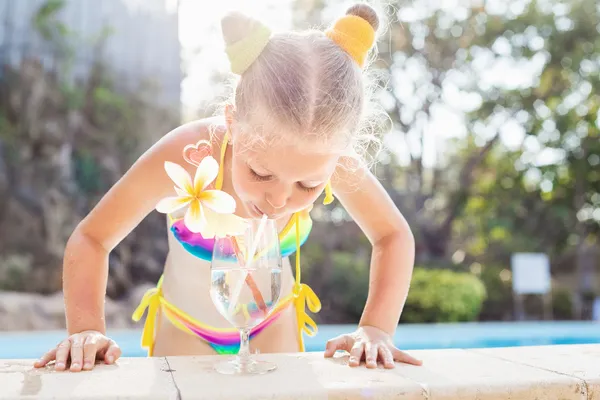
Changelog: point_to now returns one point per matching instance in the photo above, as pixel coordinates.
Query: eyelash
(308, 189)
(258, 177)
(262, 178)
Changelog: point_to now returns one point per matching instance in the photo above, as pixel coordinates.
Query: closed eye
(307, 188)
(258, 176)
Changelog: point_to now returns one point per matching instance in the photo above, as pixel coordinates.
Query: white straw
(237, 291)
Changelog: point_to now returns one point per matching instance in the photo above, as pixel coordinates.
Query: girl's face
(279, 179)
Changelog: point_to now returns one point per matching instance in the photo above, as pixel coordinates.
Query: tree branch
(465, 182)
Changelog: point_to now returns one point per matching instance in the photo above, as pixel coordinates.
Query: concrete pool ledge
(540, 372)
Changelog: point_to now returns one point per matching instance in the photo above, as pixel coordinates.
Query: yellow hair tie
(244, 52)
(353, 34)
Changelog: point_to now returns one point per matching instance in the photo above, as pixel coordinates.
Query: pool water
(33, 344)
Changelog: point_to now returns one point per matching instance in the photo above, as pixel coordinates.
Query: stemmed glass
(246, 286)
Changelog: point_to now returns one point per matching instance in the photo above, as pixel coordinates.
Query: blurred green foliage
(523, 174)
(65, 139)
(442, 295)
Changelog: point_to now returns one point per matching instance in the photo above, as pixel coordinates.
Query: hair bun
(355, 32)
(245, 39)
(365, 12)
(236, 26)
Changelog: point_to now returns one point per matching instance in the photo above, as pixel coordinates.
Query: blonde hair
(305, 86)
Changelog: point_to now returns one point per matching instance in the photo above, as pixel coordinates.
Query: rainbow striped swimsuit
(227, 340)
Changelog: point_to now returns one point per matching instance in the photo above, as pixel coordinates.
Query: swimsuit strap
(304, 296)
(296, 220)
(224, 145)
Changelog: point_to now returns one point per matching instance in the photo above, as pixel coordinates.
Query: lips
(259, 213)
(255, 211)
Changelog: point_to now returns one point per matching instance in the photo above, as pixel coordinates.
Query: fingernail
(60, 365)
(74, 365)
(110, 359)
(87, 365)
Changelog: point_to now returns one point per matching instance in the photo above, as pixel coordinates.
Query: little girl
(295, 128)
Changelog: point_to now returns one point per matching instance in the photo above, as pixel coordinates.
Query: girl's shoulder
(193, 140)
(211, 130)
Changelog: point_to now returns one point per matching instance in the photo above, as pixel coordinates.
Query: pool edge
(549, 372)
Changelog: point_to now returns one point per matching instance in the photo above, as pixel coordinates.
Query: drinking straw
(237, 291)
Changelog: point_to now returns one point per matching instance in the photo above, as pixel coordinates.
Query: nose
(277, 198)
(276, 202)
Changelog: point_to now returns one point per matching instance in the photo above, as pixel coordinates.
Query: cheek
(244, 187)
(303, 199)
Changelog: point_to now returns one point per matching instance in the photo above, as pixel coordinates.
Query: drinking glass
(246, 288)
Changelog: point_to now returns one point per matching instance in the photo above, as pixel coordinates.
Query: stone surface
(298, 376)
(581, 361)
(549, 372)
(467, 374)
(132, 378)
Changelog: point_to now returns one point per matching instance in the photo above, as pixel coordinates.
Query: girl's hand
(371, 344)
(81, 350)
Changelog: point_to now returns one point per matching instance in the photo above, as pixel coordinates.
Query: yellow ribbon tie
(150, 301)
(304, 296)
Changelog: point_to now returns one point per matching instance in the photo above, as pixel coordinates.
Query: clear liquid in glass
(246, 287)
(257, 290)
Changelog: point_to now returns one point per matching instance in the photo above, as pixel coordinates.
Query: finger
(45, 359)
(386, 357)
(356, 354)
(90, 347)
(332, 346)
(405, 358)
(113, 353)
(62, 354)
(76, 353)
(371, 355)
(338, 343)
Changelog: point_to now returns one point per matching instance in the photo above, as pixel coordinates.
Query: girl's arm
(119, 211)
(391, 268)
(85, 269)
(393, 255)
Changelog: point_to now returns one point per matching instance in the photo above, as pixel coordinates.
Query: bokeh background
(494, 150)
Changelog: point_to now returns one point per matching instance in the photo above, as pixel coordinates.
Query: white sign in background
(531, 273)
